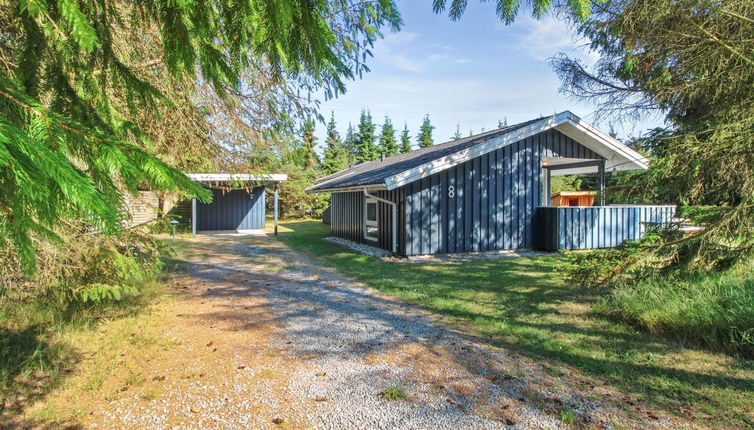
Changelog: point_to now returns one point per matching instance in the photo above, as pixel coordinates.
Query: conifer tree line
(367, 141)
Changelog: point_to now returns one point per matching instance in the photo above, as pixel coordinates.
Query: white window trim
(367, 223)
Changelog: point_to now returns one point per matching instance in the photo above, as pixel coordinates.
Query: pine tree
(366, 150)
(457, 135)
(308, 142)
(425, 133)
(405, 140)
(388, 144)
(349, 144)
(335, 157)
(502, 123)
(73, 92)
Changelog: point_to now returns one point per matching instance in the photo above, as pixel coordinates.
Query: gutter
(394, 207)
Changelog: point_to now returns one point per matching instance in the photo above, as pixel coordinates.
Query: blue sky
(473, 72)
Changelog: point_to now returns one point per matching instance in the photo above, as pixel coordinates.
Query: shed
(573, 198)
(238, 201)
(483, 192)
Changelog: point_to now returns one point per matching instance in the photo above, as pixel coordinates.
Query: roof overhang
(355, 188)
(228, 177)
(617, 155)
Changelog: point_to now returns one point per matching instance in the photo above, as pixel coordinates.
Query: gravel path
(304, 347)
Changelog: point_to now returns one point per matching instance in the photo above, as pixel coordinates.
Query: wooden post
(548, 187)
(275, 205)
(193, 217)
(601, 180)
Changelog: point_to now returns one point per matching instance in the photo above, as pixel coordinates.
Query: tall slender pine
(405, 140)
(425, 133)
(388, 143)
(366, 150)
(309, 156)
(457, 135)
(350, 144)
(335, 156)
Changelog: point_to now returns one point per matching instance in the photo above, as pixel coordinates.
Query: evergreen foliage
(350, 144)
(308, 142)
(366, 150)
(405, 140)
(507, 10)
(457, 135)
(693, 60)
(70, 92)
(425, 133)
(335, 157)
(388, 143)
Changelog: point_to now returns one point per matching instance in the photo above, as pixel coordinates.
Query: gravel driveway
(280, 342)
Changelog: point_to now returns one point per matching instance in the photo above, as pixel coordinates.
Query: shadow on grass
(30, 367)
(33, 358)
(521, 305)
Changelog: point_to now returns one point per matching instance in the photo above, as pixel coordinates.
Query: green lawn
(522, 304)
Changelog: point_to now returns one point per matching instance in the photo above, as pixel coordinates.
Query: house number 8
(451, 191)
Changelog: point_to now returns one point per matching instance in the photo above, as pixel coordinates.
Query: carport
(238, 201)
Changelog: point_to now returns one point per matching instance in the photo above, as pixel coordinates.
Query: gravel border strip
(388, 256)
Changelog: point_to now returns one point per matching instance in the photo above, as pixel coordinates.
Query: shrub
(602, 266)
(86, 267)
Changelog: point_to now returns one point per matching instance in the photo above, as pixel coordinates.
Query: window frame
(368, 223)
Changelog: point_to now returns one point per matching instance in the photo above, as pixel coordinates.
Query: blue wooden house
(487, 192)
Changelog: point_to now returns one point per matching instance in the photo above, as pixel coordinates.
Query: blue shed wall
(232, 210)
(494, 199)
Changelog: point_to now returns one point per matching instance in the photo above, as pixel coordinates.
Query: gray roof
(375, 172)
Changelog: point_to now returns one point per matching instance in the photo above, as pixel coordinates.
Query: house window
(371, 225)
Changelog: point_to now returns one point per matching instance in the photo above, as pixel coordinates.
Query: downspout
(394, 206)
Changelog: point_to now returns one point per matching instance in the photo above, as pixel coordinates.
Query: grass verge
(522, 304)
(41, 339)
(715, 310)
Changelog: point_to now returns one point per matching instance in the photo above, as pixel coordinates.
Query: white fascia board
(355, 188)
(627, 159)
(226, 177)
(616, 146)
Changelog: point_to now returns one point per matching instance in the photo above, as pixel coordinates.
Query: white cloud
(398, 50)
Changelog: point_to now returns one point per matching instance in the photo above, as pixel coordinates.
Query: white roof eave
(227, 177)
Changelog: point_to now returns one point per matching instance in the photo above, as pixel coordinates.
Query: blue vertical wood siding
(232, 210)
(347, 218)
(494, 200)
(596, 227)
(492, 205)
